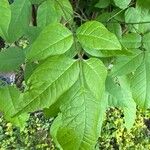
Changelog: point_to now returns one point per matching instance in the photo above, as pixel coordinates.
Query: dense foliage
(80, 58)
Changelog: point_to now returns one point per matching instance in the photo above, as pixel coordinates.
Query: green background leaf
(20, 19)
(47, 13)
(122, 3)
(9, 97)
(141, 83)
(5, 16)
(11, 59)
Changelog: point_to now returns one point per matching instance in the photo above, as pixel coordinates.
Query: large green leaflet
(53, 40)
(8, 104)
(11, 59)
(5, 12)
(48, 82)
(94, 36)
(82, 112)
(126, 65)
(121, 96)
(20, 18)
(141, 83)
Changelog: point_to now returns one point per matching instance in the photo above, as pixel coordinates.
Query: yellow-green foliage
(34, 136)
(115, 136)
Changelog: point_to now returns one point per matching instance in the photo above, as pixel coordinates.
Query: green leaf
(102, 3)
(130, 14)
(82, 112)
(121, 96)
(130, 105)
(29, 68)
(122, 3)
(5, 16)
(131, 40)
(48, 82)
(53, 40)
(32, 33)
(125, 65)
(144, 14)
(11, 59)
(146, 41)
(141, 83)
(54, 128)
(9, 97)
(64, 9)
(94, 37)
(73, 51)
(115, 28)
(47, 13)
(20, 19)
(144, 4)
(112, 24)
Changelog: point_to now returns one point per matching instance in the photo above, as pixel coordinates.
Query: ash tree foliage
(81, 58)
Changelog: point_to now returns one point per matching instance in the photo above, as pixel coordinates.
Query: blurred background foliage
(113, 137)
